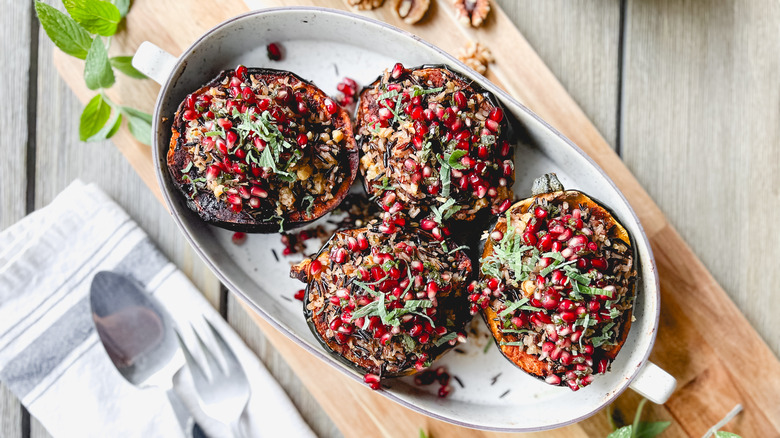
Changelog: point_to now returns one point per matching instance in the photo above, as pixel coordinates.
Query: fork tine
(212, 361)
(195, 370)
(227, 352)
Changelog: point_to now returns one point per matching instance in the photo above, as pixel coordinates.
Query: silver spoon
(138, 335)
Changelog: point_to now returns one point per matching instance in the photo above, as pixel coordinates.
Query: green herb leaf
(123, 6)
(365, 287)
(124, 64)
(513, 344)
(140, 124)
(63, 31)
(650, 429)
(97, 68)
(96, 16)
(453, 159)
(109, 129)
(623, 432)
(720, 434)
(409, 342)
(417, 304)
(366, 310)
(446, 338)
(187, 168)
(512, 307)
(423, 434)
(94, 117)
(310, 200)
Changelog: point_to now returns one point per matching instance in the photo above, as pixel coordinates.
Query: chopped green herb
(187, 169)
(446, 338)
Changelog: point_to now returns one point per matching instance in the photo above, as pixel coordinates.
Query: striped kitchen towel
(50, 354)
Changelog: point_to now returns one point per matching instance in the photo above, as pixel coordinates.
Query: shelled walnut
(411, 11)
(476, 56)
(364, 5)
(472, 12)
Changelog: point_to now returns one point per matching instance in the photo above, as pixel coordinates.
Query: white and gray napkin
(50, 354)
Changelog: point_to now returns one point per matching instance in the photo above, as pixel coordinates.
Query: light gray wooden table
(687, 92)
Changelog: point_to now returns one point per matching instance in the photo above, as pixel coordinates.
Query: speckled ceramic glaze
(324, 46)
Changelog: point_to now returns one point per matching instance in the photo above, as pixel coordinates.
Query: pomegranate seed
(340, 256)
(603, 366)
(190, 115)
(553, 379)
(302, 140)
(599, 263)
(460, 99)
(240, 71)
(386, 337)
(545, 242)
(362, 242)
(566, 358)
(231, 137)
(212, 172)
(424, 338)
(258, 192)
(330, 106)
(557, 246)
(565, 235)
(549, 302)
(427, 224)
(506, 149)
(398, 70)
(432, 288)
(248, 94)
(239, 238)
(492, 125)
(444, 391)
(496, 114)
(299, 295)
(594, 306)
(505, 205)
(529, 239)
(274, 52)
(371, 378)
(234, 199)
(569, 317)
(315, 267)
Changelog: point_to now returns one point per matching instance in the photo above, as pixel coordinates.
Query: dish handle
(154, 62)
(654, 384)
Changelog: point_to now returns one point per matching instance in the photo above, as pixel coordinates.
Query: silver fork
(222, 392)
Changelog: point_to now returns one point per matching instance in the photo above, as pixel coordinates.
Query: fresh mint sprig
(85, 33)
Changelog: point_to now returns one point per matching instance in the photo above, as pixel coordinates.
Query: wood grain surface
(698, 116)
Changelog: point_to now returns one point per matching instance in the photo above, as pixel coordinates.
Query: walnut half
(411, 11)
(472, 12)
(476, 56)
(364, 5)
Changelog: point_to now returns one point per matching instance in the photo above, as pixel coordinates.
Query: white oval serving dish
(324, 46)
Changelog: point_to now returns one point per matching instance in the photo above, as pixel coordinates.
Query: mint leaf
(94, 117)
(123, 6)
(123, 64)
(446, 338)
(132, 112)
(454, 159)
(623, 432)
(140, 124)
(97, 68)
(63, 31)
(109, 129)
(96, 16)
(651, 429)
(720, 434)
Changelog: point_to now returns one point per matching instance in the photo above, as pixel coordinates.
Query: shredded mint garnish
(446, 338)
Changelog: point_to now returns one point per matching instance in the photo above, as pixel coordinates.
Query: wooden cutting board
(703, 340)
